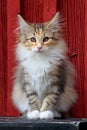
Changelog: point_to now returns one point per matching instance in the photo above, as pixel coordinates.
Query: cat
(44, 85)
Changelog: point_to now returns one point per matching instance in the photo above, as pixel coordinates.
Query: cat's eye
(33, 39)
(45, 39)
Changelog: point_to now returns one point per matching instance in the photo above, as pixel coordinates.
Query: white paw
(33, 115)
(46, 115)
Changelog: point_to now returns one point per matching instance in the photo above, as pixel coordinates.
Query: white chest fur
(38, 73)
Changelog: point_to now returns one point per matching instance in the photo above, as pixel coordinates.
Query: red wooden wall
(75, 12)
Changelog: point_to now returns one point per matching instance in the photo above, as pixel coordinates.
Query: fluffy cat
(45, 78)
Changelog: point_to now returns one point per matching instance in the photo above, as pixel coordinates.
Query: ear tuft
(53, 23)
(23, 25)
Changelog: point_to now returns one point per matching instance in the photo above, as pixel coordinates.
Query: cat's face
(39, 37)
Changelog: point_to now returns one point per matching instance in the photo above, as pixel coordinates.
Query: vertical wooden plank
(76, 45)
(49, 9)
(13, 8)
(3, 58)
(32, 10)
(85, 60)
(62, 8)
(38, 10)
(74, 14)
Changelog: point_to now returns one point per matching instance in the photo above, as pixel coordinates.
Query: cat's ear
(23, 25)
(53, 23)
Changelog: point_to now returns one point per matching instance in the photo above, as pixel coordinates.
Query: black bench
(20, 123)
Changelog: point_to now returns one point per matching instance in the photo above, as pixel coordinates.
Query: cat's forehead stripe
(39, 29)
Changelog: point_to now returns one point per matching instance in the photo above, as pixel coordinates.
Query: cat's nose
(39, 48)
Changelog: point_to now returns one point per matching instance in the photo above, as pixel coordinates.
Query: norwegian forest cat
(45, 78)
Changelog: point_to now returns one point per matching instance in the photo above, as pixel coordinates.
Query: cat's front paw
(33, 115)
(46, 114)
